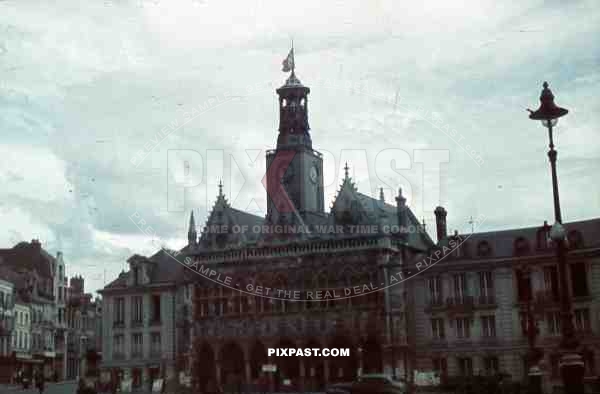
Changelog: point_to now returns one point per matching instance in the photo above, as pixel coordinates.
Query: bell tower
(293, 114)
(301, 173)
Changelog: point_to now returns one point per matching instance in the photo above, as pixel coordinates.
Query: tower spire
(192, 234)
(346, 171)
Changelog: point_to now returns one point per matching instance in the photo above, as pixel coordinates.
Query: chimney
(35, 243)
(440, 223)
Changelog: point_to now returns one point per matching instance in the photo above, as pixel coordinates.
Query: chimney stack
(440, 223)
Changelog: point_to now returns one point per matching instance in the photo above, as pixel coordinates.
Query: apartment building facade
(472, 308)
(143, 324)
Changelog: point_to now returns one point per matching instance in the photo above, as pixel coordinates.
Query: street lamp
(532, 331)
(571, 364)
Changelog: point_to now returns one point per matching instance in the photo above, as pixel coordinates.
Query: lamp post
(571, 364)
(532, 331)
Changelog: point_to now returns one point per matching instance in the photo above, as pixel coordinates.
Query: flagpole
(293, 60)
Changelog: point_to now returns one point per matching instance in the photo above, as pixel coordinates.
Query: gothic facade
(301, 277)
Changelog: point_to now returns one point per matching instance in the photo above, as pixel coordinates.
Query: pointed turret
(192, 234)
(401, 212)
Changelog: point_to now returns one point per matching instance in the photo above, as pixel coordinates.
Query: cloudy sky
(107, 109)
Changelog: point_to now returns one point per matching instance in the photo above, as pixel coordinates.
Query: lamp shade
(547, 110)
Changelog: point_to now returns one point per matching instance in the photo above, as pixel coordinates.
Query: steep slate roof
(369, 211)
(121, 281)
(167, 269)
(374, 211)
(502, 243)
(222, 214)
(28, 256)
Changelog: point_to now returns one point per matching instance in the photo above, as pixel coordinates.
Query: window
(137, 303)
(460, 286)
(555, 365)
(465, 366)
(156, 308)
(582, 319)
(523, 286)
(440, 365)
(437, 328)
(486, 284)
(155, 347)
(118, 346)
(119, 316)
(579, 282)
(484, 249)
(463, 327)
(136, 276)
(553, 323)
(435, 290)
(521, 246)
(589, 363)
(491, 365)
(551, 283)
(488, 326)
(575, 239)
(136, 345)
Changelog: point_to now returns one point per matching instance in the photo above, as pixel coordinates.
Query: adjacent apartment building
(471, 308)
(145, 315)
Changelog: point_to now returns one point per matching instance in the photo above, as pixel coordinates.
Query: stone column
(271, 375)
(218, 371)
(248, 371)
(302, 374)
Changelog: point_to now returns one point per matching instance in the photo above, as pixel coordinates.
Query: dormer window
(575, 239)
(543, 237)
(136, 276)
(521, 246)
(484, 249)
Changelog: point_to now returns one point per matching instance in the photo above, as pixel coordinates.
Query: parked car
(370, 384)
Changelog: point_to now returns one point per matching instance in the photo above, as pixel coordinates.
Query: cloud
(84, 88)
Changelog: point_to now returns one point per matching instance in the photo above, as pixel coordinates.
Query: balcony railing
(119, 356)
(547, 297)
(137, 354)
(460, 304)
(435, 302)
(137, 323)
(486, 301)
(155, 353)
(119, 324)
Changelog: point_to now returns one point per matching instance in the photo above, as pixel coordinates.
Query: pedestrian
(39, 381)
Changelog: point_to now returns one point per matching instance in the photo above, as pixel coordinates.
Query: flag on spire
(288, 62)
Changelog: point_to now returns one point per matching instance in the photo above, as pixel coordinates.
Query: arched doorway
(372, 357)
(232, 367)
(342, 369)
(314, 370)
(203, 374)
(288, 368)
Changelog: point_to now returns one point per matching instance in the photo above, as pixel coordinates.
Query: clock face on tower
(314, 174)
